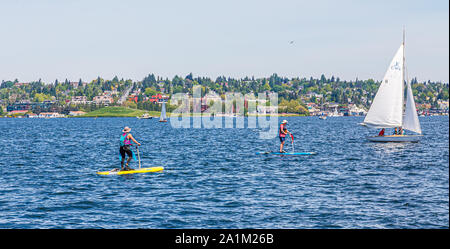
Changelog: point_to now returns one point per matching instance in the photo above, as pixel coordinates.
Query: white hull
(396, 138)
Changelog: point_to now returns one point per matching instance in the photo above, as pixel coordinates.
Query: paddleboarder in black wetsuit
(125, 147)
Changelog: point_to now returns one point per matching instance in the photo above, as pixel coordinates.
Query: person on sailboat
(282, 134)
(125, 147)
(400, 130)
(395, 131)
(381, 132)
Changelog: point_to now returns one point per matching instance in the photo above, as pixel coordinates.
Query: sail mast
(403, 73)
(410, 120)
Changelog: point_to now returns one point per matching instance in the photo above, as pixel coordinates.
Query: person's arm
(134, 140)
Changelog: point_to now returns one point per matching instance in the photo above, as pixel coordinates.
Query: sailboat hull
(396, 138)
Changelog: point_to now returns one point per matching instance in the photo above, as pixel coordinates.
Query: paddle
(292, 141)
(139, 159)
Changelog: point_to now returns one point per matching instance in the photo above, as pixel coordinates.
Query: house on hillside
(313, 109)
(267, 109)
(354, 110)
(133, 97)
(50, 115)
(110, 93)
(158, 98)
(76, 100)
(103, 100)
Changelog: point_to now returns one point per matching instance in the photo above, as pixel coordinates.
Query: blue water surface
(214, 179)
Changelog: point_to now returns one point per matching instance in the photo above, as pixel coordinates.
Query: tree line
(290, 90)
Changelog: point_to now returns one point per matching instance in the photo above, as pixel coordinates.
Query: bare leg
(281, 146)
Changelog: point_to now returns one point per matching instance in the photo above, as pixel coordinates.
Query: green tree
(267, 87)
(40, 97)
(149, 91)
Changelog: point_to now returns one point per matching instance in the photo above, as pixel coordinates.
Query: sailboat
(163, 117)
(388, 109)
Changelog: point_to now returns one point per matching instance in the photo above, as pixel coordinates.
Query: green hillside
(117, 111)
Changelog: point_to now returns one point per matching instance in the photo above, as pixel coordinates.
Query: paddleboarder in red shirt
(282, 134)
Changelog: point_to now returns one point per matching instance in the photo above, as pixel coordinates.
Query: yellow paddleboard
(124, 172)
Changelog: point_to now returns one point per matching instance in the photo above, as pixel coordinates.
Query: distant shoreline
(120, 112)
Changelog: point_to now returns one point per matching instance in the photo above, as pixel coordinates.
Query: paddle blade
(292, 137)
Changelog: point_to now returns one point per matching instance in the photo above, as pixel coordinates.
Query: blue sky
(52, 39)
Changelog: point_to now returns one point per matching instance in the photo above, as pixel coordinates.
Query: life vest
(124, 139)
(282, 128)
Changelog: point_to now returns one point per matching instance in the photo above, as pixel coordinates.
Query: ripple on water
(213, 179)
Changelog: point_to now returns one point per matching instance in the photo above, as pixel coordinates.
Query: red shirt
(282, 128)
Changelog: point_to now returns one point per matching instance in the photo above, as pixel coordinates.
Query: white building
(354, 110)
(110, 93)
(105, 100)
(443, 104)
(79, 100)
(50, 115)
(267, 109)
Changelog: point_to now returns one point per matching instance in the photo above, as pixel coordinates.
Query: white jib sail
(387, 106)
(163, 112)
(411, 120)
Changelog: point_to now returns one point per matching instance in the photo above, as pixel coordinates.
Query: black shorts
(282, 139)
(125, 149)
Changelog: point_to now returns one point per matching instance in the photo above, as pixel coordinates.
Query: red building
(158, 98)
(133, 98)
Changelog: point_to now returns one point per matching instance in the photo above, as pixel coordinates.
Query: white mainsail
(411, 120)
(163, 112)
(387, 107)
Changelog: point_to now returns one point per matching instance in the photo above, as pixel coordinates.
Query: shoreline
(120, 111)
(195, 116)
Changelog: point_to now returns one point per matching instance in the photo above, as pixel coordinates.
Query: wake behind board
(125, 172)
(287, 153)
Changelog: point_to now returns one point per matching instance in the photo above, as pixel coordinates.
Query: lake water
(214, 179)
